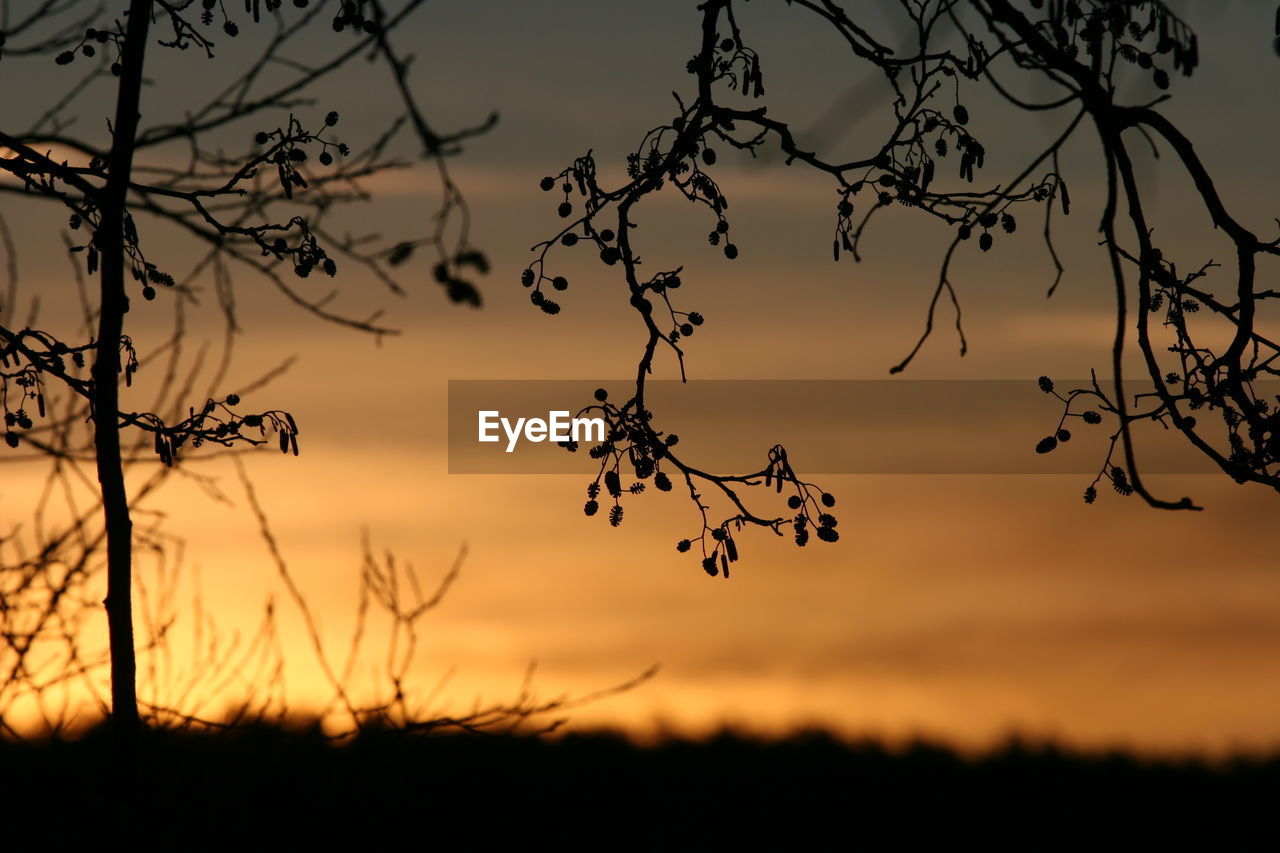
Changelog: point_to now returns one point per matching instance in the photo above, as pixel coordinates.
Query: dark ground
(600, 791)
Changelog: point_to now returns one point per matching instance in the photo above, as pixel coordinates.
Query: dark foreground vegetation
(602, 791)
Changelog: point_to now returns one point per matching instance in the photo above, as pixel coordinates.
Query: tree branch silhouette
(1082, 47)
(262, 211)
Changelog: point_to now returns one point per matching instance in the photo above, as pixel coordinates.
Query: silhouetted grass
(602, 791)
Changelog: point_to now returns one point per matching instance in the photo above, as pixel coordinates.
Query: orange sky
(959, 607)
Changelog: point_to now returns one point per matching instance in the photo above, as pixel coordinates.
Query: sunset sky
(962, 607)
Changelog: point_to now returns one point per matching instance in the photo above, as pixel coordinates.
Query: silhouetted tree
(261, 210)
(931, 161)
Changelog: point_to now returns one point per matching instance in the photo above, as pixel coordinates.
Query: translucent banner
(865, 426)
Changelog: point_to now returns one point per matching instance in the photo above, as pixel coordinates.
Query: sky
(960, 607)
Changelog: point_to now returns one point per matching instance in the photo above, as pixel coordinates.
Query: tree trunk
(109, 241)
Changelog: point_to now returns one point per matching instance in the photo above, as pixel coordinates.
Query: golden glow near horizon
(962, 608)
